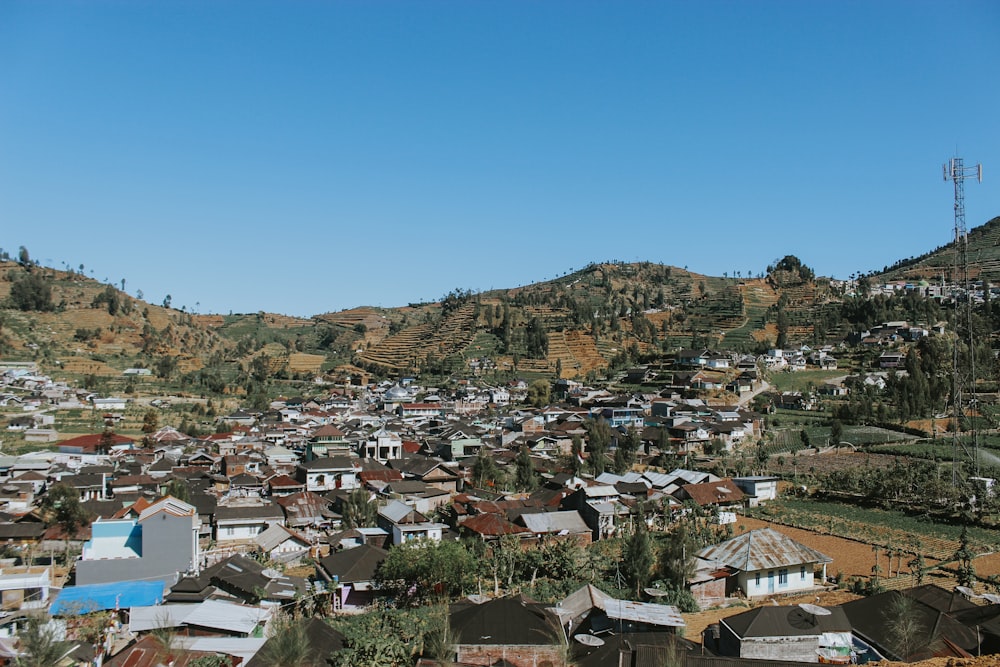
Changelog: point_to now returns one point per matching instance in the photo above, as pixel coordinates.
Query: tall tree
(637, 556)
(598, 439)
(676, 560)
(61, 506)
(486, 472)
(525, 477)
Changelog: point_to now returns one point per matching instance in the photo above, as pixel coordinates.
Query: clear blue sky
(302, 157)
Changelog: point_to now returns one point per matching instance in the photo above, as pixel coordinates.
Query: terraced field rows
(397, 352)
(585, 352)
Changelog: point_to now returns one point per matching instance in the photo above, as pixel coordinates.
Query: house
(405, 523)
(960, 627)
(96, 443)
(351, 574)
(306, 509)
(783, 633)
(161, 542)
(723, 494)
(244, 578)
(328, 440)
(25, 587)
(430, 471)
(758, 488)
(383, 447)
(567, 524)
(767, 562)
(211, 617)
(113, 403)
(243, 522)
(590, 610)
(329, 473)
(891, 360)
(507, 631)
(600, 507)
(282, 545)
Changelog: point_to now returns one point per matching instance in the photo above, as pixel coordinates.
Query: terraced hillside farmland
(983, 253)
(414, 345)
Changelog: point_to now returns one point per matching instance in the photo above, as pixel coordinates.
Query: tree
(628, 446)
(40, 645)
(486, 472)
(380, 638)
(836, 432)
(525, 477)
(178, 489)
(965, 571)
(288, 645)
(906, 633)
(676, 560)
(61, 506)
(150, 422)
(539, 393)
(637, 556)
(358, 509)
(598, 439)
(536, 340)
(421, 570)
(32, 291)
(804, 438)
(23, 257)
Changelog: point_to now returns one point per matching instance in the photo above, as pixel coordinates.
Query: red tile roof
(491, 525)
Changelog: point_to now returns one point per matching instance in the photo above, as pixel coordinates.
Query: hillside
(577, 324)
(580, 324)
(983, 254)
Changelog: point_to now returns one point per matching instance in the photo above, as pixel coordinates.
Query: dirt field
(849, 557)
(852, 559)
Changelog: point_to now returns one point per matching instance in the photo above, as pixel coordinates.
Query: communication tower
(962, 297)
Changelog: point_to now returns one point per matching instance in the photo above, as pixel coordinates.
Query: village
(523, 523)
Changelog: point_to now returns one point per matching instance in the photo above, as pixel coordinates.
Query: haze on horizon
(308, 157)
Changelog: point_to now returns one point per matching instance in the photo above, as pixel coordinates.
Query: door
(770, 581)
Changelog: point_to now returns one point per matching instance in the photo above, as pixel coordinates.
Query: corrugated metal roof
(762, 549)
(555, 522)
(644, 612)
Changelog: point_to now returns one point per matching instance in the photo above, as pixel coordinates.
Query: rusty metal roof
(762, 549)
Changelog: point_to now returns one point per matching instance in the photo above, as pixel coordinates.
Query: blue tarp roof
(98, 597)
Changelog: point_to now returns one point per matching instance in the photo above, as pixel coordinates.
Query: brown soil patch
(849, 557)
(300, 362)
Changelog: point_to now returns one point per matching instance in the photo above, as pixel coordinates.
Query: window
(756, 581)
(782, 577)
(802, 573)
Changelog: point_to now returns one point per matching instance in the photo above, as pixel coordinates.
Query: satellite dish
(655, 592)
(966, 591)
(814, 609)
(722, 489)
(589, 640)
(992, 598)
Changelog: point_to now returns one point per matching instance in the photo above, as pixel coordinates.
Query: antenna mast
(961, 288)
